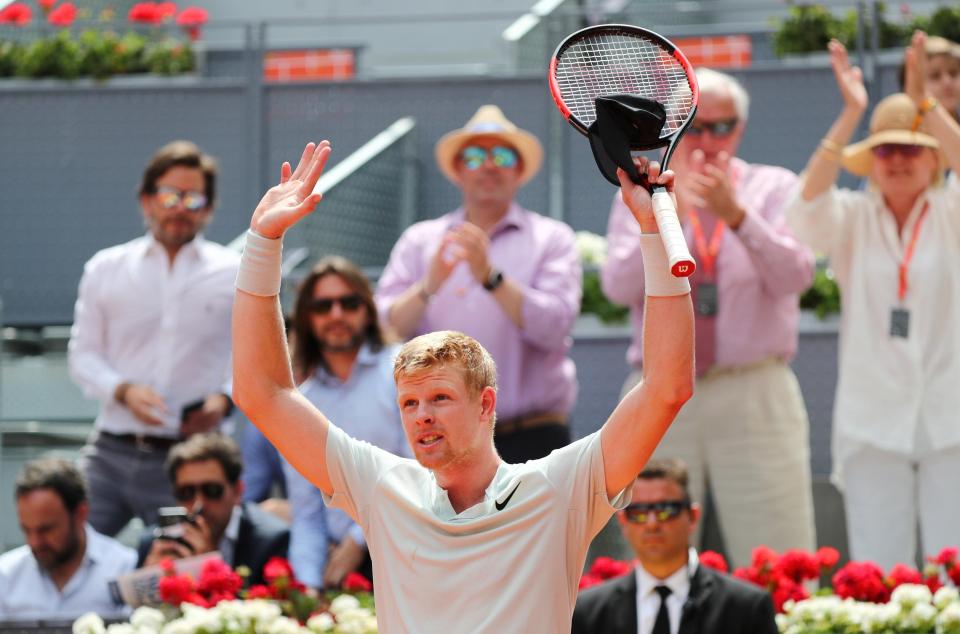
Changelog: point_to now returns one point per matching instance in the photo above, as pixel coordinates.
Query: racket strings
(608, 63)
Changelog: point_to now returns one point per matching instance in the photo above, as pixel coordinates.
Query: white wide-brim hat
(489, 120)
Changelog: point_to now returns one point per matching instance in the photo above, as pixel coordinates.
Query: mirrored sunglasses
(209, 490)
(716, 128)
(660, 511)
(323, 305)
(170, 197)
(474, 156)
(886, 150)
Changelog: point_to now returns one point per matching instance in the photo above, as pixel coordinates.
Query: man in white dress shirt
(669, 591)
(151, 339)
(65, 568)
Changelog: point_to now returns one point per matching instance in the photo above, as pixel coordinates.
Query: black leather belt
(143, 442)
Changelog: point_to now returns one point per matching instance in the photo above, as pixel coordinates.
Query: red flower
(607, 568)
(355, 582)
(763, 557)
(947, 557)
(797, 565)
(828, 557)
(862, 581)
(46, 5)
(17, 14)
(259, 591)
(753, 575)
(166, 9)
(191, 19)
(146, 13)
(218, 580)
(901, 574)
(64, 15)
(932, 580)
(785, 590)
(277, 568)
(176, 589)
(714, 560)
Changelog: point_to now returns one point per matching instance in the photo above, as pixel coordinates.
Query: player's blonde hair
(448, 348)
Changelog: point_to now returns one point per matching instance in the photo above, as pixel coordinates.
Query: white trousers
(747, 431)
(887, 493)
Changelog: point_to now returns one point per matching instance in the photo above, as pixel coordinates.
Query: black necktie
(662, 624)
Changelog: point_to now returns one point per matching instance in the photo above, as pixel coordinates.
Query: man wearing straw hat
(506, 276)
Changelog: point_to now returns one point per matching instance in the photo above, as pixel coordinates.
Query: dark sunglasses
(716, 128)
(660, 511)
(210, 490)
(323, 305)
(474, 156)
(886, 150)
(170, 197)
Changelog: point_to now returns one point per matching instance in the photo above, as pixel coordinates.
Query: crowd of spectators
(151, 342)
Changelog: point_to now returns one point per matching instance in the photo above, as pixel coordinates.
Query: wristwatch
(494, 279)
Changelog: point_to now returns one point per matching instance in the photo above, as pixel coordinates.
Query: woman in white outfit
(895, 250)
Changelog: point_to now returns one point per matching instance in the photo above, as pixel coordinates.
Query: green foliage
(97, 54)
(891, 35)
(595, 302)
(57, 56)
(944, 22)
(168, 57)
(823, 297)
(807, 28)
(10, 53)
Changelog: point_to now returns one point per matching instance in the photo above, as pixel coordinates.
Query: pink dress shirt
(534, 371)
(761, 270)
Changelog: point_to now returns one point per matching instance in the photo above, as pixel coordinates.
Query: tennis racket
(629, 89)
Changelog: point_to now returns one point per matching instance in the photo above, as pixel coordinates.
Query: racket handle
(678, 254)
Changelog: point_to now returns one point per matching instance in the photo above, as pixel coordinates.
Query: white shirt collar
(678, 582)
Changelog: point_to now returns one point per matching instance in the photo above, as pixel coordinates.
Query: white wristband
(658, 280)
(261, 265)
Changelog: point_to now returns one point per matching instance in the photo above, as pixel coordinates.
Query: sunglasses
(474, 156)
(210, 490)
(886, 150)
(716, 128)
(660, 511)
(323, 305)
(170, 197)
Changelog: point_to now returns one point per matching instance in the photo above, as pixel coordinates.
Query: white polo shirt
(511, 563)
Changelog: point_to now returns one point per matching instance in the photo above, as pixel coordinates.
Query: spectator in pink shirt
(746, 426)
(508, 277)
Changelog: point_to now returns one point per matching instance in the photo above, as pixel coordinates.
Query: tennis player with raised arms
(460, 540)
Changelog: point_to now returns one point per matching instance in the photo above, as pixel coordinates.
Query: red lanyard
(708, 254)
(908, 253)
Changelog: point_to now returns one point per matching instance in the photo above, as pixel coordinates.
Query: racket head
(615, 59)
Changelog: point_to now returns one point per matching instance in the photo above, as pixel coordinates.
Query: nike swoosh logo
(502, 505)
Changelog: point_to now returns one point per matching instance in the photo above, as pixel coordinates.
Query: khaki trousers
(746, 430)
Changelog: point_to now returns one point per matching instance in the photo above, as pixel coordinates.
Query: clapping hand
(849, 78)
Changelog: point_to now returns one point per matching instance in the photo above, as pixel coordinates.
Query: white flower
(945, 596)
(322, 622)
(949, 617)
(910, 594)
(343, 603)
(121, 628)
(147, 618)
(89, 623)
(591, 247)
(282, 625)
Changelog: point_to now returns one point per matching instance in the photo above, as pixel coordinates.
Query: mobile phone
(189, 408)
(170, 523)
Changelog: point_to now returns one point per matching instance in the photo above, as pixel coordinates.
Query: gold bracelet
(831, 146)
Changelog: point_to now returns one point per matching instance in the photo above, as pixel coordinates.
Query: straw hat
(893, 121)
(489, 121)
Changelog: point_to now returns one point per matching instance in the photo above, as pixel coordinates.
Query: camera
(171, 522)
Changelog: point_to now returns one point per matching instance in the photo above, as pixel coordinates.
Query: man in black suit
(669, 592)
(205, 473)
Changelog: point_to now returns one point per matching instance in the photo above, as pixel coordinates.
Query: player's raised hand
(293, 198)
(637, 197)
